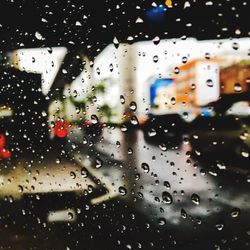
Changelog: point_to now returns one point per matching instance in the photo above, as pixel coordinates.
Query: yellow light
(168, 3)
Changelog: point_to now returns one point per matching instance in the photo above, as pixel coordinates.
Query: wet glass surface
(124, 125)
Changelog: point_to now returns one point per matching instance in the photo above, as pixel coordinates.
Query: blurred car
(5, 120)
(166, 129)
(93, 128)
(223, 137)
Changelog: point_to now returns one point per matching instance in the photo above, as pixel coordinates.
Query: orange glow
(168, 3)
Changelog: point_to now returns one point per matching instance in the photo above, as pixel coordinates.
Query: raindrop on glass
(98, 163)
(145, 167)
(183, 214)
(167, 197)
(122, 99)
(155, 59)
(84, 172)
(116, 42)
(122, 191)
(156, 40)
(209, 83)
(235, 46)
(152, 132)
(94, 119)
(235, 212)
(72, 175)
(184, 59)
(195, 199)
(237, 87)
(167, 184)
(162, 221)
(133, 106)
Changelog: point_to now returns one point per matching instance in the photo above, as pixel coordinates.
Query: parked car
(93, 129)
(223, 137)
(166, 129)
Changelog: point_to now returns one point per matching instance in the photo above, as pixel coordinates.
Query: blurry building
(235, 78)
(197, 84)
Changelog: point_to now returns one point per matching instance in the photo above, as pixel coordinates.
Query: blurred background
(124, 125)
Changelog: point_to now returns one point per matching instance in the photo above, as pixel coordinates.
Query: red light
(61, 129)
(5, 154)
(2, 141)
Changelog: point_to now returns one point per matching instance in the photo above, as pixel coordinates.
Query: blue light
(206, 112)
(157, 13)
(158, 83)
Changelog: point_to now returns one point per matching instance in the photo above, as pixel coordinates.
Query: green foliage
(98, 90)
(100, 87)
(107, 111)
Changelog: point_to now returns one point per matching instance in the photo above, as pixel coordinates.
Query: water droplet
(84, 140)
(74, 92)
(162, 221)
(133, 106)
(184, 59)
(122, 99)
(219, 226)
(156, 40)
(163, 147)
(116, 42)
(152, 132)
(98, 71)
(193, 86)
(235, 46)
(237, 32)
(155, 59)
(20, 188)
(139, 20)
(195, 199)
(64, 71)
(248, 178)
(122, 191)
(78, 110)
(78, 23)
(167, 184)
(84, 172)
(58, 160)
(134, 120)
(39, 36)
(137, 177)
(235, 212)
(72, 175)
(237, 87)
(145, 167)
(98, 163)
(176, 70)
(70, 215)
(50, 50)
(111, 67)
(186, 5)
(183, 214)
(244, 153)
(94, 119)
(173, 101)
(172, 164)
(124, 128)
(130, 151)
(167, 197)
(207, 55)
(209, 83)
